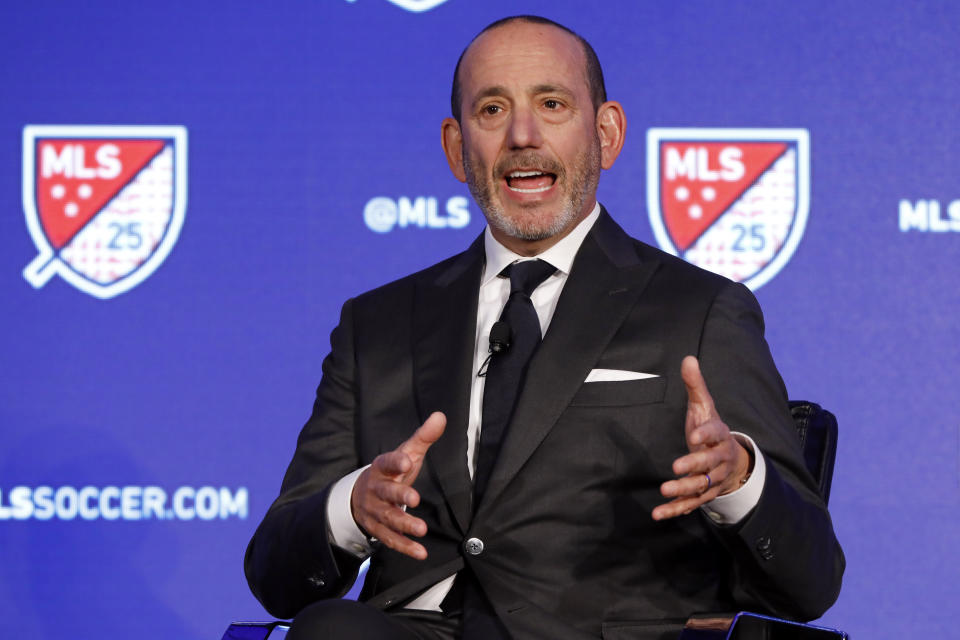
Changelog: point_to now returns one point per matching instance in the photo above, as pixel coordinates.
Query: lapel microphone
(499, 337)
(499, 343)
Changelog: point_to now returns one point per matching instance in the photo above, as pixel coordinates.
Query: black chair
(817, 430)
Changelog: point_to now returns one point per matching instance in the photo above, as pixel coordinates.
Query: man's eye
(552, 104)
(491, 109)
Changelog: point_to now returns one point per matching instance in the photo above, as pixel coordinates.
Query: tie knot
(527, 275)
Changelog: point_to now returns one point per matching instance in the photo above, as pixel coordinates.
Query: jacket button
(765, 547)
(473, 546)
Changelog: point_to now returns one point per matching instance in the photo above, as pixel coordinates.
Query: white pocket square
(616, 375)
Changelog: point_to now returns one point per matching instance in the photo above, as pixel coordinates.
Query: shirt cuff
(734, 506)
(343, 530)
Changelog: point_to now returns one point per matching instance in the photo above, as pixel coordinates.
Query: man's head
(532, 130)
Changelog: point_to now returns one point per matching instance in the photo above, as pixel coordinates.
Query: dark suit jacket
(570, 549)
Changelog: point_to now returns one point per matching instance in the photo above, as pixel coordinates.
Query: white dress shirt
(494, 292)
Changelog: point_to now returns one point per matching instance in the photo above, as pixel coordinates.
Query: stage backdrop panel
(191, 190)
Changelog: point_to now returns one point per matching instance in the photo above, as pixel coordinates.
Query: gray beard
(585, 176)
(531, 231)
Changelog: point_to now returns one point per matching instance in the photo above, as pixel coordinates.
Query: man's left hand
(717, 462)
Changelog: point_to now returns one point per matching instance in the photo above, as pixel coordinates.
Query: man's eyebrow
(488, 92)
(552, 88)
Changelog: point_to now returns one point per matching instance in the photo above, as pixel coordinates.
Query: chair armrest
(753, 626)
(256, 630)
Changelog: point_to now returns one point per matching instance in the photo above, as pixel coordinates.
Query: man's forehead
(526, 47)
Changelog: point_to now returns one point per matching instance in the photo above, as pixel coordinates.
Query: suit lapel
(605, 281)
(445, 321)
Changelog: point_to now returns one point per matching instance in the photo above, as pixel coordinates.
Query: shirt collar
(560, 255)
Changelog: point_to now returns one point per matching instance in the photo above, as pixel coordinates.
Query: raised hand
(717, 462)
(385, 488)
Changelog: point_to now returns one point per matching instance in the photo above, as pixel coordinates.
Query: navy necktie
(507, 370)
(505, 375)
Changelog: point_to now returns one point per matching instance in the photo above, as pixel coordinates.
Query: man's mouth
(530, 181)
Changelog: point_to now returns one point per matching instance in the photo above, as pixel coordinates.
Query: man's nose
(524, 130)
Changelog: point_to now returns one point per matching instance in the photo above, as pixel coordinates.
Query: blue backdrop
(145, 433)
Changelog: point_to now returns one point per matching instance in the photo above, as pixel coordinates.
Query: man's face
(530, 148)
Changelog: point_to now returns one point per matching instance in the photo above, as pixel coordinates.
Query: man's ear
(612, 129)
(452, 141)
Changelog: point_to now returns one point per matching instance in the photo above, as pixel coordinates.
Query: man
(612, 500)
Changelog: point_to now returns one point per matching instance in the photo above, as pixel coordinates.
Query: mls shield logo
(414, 6)
(104, 204)
(417, 6)
(733, 201)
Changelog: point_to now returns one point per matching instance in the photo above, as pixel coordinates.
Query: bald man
(636, 464)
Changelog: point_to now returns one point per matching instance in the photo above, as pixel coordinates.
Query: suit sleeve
(786, 556)
(290, 561)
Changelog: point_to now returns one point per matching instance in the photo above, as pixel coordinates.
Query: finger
(682, 506)
(697, 392)
(397, 542)
(696, 492)
(376, 514)
(685, 487)
(701, 461)
(396, 493)
(696, 484)
(380, 504)
(392, 463)
(672, 509)
(399, 521)
(709, 433)
(428, 433)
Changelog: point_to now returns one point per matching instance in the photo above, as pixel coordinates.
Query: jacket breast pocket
(622, 393)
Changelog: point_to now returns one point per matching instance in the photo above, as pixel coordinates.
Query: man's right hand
(385, 488)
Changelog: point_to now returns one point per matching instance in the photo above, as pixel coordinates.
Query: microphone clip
(499, 343)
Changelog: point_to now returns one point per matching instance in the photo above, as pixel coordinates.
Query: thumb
(697, 392)
(428, 433)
